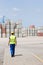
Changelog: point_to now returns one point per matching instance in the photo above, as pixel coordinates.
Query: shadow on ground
(19, 55)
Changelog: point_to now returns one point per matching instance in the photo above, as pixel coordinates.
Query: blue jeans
(12, 49)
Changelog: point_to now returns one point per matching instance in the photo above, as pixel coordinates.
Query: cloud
(16, 9)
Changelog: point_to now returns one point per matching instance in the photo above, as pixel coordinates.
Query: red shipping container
(40, 34)
(3, 30)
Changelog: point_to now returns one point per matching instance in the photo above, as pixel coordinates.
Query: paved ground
(26, 54)
(29, 51)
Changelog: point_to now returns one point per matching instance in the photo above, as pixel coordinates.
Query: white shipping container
(20, 34)
(12, 26)
(41, 30)
(3, 24)
(16, 34)
(7, 30)
(19, 26)
(12, 30)
(24, 29)
(3, 35)
(7, 21)
(16, 30)
(28, 31)
(8, 26)
(28, 34)
(41, 27)
(8, 35)
(28, 28)
(24, 35)
(33, 31)
(0, 35)
(19, 22)
(12, 22)
(20, 30)
(0, 30)
(35, 34)
(24, 32)
(32, 34)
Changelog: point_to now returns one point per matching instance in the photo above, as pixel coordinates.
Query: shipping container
(19, 24)
(0, 25)
(24, 32)
(28, 31)
(7, 30)
(20, 34)
(12, 30)
(12, 25)
(7, 35)
(0, 32)
(3, 35)
(16, 32)
(32, 30)
(40, 31)
(40, 34)
(0, 35)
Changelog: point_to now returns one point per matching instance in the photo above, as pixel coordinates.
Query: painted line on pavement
(37, 57)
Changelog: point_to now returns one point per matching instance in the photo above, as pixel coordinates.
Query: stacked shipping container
(16, 33)
(40, 31)
(32, 31)
(9, 26)
(3, 30)
(24, 32)
(12, 26)
(19, 28)
(0, 30)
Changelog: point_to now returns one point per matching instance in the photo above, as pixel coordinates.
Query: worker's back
(12, 39)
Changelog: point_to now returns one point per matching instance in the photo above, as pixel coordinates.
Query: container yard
(20, 31)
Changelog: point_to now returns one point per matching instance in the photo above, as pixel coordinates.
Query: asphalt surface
(25, 54)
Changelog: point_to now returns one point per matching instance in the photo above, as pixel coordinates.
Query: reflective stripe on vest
(12, 39)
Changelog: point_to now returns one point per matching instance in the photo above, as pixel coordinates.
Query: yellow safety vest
(12, 39)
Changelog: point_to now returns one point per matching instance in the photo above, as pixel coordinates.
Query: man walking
(12, 42)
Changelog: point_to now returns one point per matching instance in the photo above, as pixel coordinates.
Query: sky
(29, 11)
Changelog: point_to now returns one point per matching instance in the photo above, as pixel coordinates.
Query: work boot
(12, 56)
